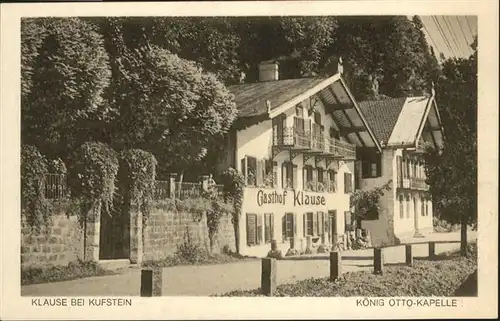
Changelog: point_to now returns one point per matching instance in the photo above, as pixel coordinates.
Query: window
(249, 170)
(347, 183)
(348, 221)
(334, 133)
(332, 181)
(321, 223)
(289, 227)
(270, 173)
(254, 229)
(372, 167)
(299, 111)
(401, 207)
(307, 178)
(309, 224)
(288, 175)
(317, 118)
(407, 206)
(268, 227)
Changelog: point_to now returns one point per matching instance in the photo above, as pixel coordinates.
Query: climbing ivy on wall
(234, 187)
(93, 177)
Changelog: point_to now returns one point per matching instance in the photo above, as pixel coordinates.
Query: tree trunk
(237, 232)
(463, 237)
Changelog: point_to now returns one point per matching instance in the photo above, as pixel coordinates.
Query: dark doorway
(114, 236)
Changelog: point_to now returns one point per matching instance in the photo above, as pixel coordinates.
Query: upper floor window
(401, 207)
(317, 118)
(334, 133)
(288, 175)
(259, 172)
(299, 111)
(347, 183)
(371, 166)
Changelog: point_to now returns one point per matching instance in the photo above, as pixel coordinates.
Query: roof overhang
(338, 100)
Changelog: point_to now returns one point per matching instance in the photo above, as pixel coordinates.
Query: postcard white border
(13, 306)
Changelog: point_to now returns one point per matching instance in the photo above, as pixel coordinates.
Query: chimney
(268, 71)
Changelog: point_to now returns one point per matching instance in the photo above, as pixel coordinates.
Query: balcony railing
(414, 183)
(340, 148)
(320, 187)
(297, 138)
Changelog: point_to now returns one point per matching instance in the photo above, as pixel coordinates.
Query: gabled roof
(251, 98)
(264, 100)
(402, 122)
(382, 116)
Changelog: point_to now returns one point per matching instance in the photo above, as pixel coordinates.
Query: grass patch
(55, 273)
(194, 255)
(438, 277)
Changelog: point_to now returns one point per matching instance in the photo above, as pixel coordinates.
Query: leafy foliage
(138, 170)
(365, 203)
(65, 70)
(452, 172)
(94, 173)
(234, 188)
(34, 166)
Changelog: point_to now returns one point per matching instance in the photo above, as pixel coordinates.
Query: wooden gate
(114, 238)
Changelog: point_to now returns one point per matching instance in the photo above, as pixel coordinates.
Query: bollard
(335, 265)
(378, 261)
(432, 249)
(151, 282)
(409, 255)
(268, 276)
(274, 245)
(308, 244)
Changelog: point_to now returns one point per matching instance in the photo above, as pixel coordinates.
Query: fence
(55, 187)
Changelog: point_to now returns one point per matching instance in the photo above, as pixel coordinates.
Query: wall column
(92, 233)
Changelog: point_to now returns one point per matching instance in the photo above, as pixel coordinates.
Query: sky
(451, 35)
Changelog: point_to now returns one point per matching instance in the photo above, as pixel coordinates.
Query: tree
(452, 172)
(65, 70)
(173, 108)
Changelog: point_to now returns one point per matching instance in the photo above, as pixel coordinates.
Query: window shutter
(321, 223)
(271, 224)
(294, 177)
(244, 168)
(275, 174)
(398, 167)
(347, 220)
(283, 227)
(267, 230)
(259, 229)
(251, 232)
(304, 178)
(258, 173)
(304, 216)
(315, 223)
(294, 224)
(283, 175)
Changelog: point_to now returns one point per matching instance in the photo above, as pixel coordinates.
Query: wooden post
(409, 255)
(378, 261)
(432, 249)
(335, 265)
(171, 185)
(268, 276)
(151, 282)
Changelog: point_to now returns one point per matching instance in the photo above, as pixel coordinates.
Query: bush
(275, 254)
(73, 270)
(444, 226)
(35, 208)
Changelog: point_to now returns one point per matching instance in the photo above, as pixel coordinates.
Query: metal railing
(415, 183)
(55, 186)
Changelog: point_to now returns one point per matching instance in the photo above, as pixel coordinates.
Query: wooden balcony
(320, 187)
(292, 137)
(412, 183)
(335, 147)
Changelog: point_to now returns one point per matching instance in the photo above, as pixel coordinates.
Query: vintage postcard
(278, 159)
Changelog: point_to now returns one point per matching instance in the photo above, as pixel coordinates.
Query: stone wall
(165, 230)
(57, 244)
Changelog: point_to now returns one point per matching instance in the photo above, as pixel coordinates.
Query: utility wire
(470, 29)
(452, 34)
(464, 36)
(432, 40)
(441, 32)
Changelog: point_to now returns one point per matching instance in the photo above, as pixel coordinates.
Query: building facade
(304, 146)
(404, 126)
(294, 147)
